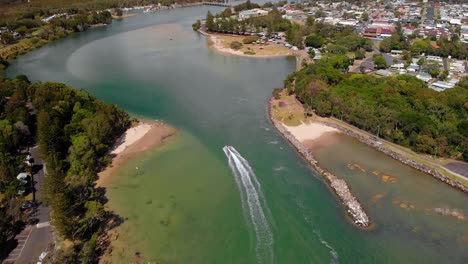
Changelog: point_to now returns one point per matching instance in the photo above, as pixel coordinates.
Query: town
(428, 40)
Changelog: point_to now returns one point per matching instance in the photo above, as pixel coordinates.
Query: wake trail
(252, 198)
(333, 253)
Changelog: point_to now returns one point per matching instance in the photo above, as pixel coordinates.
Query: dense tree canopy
(74, 132)
(401, 109)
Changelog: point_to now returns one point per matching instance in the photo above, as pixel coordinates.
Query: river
(258, 202)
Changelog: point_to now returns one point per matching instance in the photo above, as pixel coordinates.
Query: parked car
(27, 205)
(42, 257)
(21, 190)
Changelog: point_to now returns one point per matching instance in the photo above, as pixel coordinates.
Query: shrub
(236, 45)
(277, 93)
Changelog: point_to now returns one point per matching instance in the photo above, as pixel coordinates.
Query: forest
(74, 132)
(25, 9)
(401, 109)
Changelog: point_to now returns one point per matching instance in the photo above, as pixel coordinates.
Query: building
(252, 13)
(423, 76)
(384, 73)
(440, 86)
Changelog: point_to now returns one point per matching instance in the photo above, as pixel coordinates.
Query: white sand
(131, 136)
(311, 131)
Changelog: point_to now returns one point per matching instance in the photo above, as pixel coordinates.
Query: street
(34, 239)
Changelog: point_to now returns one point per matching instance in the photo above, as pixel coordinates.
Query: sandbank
(137, 139)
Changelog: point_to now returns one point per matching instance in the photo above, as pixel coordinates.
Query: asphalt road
(35, 239)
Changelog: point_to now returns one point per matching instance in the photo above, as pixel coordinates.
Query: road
(34, 239)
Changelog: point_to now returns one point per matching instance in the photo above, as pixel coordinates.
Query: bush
(250, 39)
(277, 93)
(196, 26)
(236, 45)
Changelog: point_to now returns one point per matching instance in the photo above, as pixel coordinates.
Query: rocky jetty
(416, 165)
(339, 186)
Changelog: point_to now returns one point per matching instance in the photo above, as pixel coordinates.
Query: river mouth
(183, 204)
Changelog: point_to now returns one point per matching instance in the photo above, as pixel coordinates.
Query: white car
(41, 257)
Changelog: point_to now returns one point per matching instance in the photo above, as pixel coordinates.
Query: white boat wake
(252, 199)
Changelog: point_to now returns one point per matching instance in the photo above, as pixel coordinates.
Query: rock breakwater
(339, 186)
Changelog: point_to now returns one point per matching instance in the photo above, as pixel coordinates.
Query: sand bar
(137, 139)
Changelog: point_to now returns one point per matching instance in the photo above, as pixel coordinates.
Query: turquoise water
(183, 205)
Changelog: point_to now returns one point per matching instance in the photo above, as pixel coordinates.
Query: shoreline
(340, 188)
(413, 160)
(136, 140)
(214, 43)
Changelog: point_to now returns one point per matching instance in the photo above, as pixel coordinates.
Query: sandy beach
(137, 139)
(310, 131)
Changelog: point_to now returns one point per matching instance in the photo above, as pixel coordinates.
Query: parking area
(22, 239)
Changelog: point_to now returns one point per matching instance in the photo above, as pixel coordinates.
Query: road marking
(21, 251)
(42, 225)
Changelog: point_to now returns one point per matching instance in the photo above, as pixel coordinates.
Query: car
(27, 205)
(42, 257)
(21, 190)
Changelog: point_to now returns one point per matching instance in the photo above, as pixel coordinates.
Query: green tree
(380, 62)
(210, 24)
(314, 41)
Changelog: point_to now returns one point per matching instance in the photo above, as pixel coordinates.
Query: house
(397, 66)
(413, 67)
(423, 76)
(440, 86)
(396, 52)
(384, 73)
(370, 32)
(434, 58)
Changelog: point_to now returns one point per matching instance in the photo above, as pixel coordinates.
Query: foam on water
(333, 253)
(252, 199)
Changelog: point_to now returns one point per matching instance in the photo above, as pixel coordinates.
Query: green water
(181, 203)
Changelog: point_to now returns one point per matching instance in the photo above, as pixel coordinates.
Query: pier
(224, 3)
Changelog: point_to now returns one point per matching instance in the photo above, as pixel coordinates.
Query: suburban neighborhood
(428, 40)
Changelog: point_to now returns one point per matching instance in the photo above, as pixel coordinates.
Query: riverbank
(144, 136)
(303, 134)
(221, 43)
(293, 113)
(138, 139)
(10, 52)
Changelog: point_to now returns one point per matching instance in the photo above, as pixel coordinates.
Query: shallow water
(182, 204)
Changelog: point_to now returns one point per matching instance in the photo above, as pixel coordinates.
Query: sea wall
(339, 186)
(416, 165)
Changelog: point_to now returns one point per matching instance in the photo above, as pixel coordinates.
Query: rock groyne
(339, 186)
